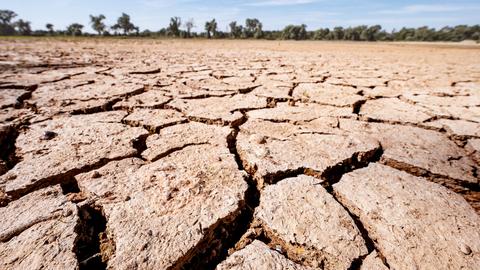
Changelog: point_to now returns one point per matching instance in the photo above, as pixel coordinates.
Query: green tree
(404, 34)
(6, 16)
(74, 29)
(461, 32)
(124, 23)
(97, 23)
(49, 27)
(337, 33)
(297, 32)
(211, 28)
(370, 33)
(383, 36)
(424, 34)
(23, 27)
(349, 34)
(174, 26)
(476, 36)
(207, 29)
(358, 30)
(475, 32)
(189, 25)
(321, 34)
(354, 33)
(6, 26)
(446, 33)
(253, 28)
(235, 30)
(258, 31)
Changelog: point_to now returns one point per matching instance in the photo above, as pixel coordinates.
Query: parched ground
(148, 154)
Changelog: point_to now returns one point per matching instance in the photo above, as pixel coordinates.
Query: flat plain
(169, 154)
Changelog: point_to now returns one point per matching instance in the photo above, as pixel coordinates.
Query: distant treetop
(253, 28)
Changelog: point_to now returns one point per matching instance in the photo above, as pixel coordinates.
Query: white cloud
(279, 3)
(433, 8)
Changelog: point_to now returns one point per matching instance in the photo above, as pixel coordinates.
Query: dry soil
(164, 154)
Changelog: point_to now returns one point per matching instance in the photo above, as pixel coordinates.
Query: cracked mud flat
(239, 155)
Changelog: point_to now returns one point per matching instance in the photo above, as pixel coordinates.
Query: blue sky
(274, 14)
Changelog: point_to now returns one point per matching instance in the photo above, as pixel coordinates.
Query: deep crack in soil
(250, 231)
(92, 246)
(228, 234)
(59, 179)
(8, 136)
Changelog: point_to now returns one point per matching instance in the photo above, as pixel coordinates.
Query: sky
(274, 14)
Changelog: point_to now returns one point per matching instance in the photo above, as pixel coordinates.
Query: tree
(370, 33)
(49, 27)
(23, 27)
(337, 33)
(446, 33)
(359, 30)
(297, 32)
(97, 23)
(349, 34)
(235, 30)
(6, 27)
(207, 29)
(258, 31)
(6, 16)
(189, 25)
(424, 34)
(404, 34)
(123, 22)
(74, 29)
(476, 36)
(115, 29)
(354, 33)
(253, 28)
(211, 28)
(383, 36)
(174, 27)
(461, 32)
(321, 34)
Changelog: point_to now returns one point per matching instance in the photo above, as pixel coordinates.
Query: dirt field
(161, 154)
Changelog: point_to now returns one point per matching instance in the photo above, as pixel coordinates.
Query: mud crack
(216, 246)
(92, 246)
(8, 136)
(63, 178)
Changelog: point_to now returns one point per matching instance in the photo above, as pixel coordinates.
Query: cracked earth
(239, 155)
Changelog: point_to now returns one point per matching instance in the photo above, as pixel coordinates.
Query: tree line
(252, 29)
